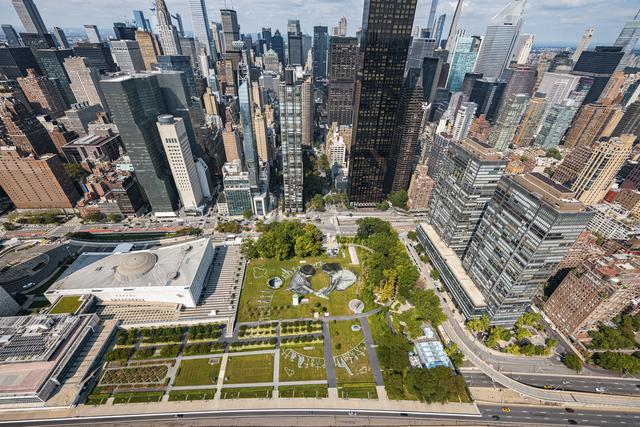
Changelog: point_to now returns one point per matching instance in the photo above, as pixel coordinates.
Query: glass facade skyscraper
(464, 59)
(386, 33)
(290, 97)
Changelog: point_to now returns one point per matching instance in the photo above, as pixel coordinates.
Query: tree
(75, 171)
(455, 355)
(9, 226)
(399, 199)
(435, 274)
(619, 362)
(387, 289)
(383, 206)
(94, 216)
(317, 203)
(428, 306)
(554, 152)
(572, 361)
(248, 248)
(612, 338)
(247, 213)
(286, 239)
(478, 324)
(370, 226)
(230, 227)
(438, 384)
(411, 235)
(114, 217)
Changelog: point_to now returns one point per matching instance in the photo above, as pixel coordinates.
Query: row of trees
(284, 240)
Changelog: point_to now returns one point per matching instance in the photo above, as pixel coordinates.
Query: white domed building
(173, 274)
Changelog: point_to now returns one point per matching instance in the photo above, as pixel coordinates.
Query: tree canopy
(399, 199)
(286, 239)
(438, 384)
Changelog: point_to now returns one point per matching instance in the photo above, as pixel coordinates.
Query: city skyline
(570, 18)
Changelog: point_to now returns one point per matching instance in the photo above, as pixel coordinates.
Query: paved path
(276, 360)
(247, 385)
(328, 357)
(373, 356)
(223, 368)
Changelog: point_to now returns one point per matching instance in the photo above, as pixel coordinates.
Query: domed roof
(135, 265)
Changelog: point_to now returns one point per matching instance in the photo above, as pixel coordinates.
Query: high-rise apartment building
(23, 129)
(630, 122)
(230, 28)
(419, 49)
(149, 48)
(598, 64)
(180, 158)
(308, 111)
(277, 44)
(463, 62)
(343, 57)
(499, 40)
(628, 38)
(231, 140)
(98, 54)
(521, 79)
(524, 233)
(595, 292)
(36, 182)
(585, 41)
(41, 94)
(85, 81)
(52, 61)
(521, 52)
(262, 137)
(142, 23)
(341, 29)
(168, 32)
(290, 98)
(385, 42)
(555, 124)
(487, 94)
(454, 34)
(124, 31)
(249, 147)
(606, 158)
(29, 16)
(528, 127)
(320, 48)
(463, 120)
(127, 55)
(468, 177)
(201, 30)
(237, 197)
(93, 34)
(295, 54)
(507, 124)
(592, 122)
(135, 103)
(439, 147)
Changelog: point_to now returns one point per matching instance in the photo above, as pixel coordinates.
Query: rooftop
(554, 194)
(166, 266)
(455, 265)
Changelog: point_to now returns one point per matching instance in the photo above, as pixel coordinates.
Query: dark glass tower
(320, 46)
(386, 33)
(277, 44)
(343, 59)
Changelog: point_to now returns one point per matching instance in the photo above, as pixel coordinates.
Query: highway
(489, 415)
(621, 386)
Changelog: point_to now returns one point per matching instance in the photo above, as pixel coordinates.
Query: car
(600, 389)
(506, 409)
(28, 285)
(569, 410)
(572, 422)
(495, 417)
(549, 387)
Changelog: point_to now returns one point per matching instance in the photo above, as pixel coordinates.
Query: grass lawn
(97, 399)
(184, 395)
(349, 353)
(66, 305)
(358, 391)
(140, 397)
(303, 391)
(302, 362)
(247, 393)
(255, 289)
(197, 372)
(249, 369)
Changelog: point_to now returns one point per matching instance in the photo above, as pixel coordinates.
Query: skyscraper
(201, 30)
(168, 33)
(149, 48)
(432, 18)
(524, 43)
(585, 41)
(290, 97)
(320, 48)
(124, 31)
(141, 22)
(598, 64)
(521, 79)
(468, 177)
(52, 61)
(526, 229)
(555, 124)
(135, 103)
(23, 129)
(530, 122)
(630, 122)
(63, 43)
(463, 120)
(463, 62)
(419, 49)
(487, 93)
(385, 41)
(629, 36)
(249, 148)
(41, 94)
(499, 41)
(29, 16)
(341, 29)
(343, 57)
(230, 28)
(452, 38)
(592, 122)
(11, 35)
(180, 158)
(277, 44)
(308, 111)
(127, 55)
(505, 129)
(606, 158)
(439, 28)
(98, 54)
(296, 55)
(92, 33)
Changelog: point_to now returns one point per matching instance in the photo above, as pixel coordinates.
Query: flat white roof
(174, 266)
(455, 266)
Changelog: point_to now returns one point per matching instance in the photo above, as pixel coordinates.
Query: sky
(554, 22)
